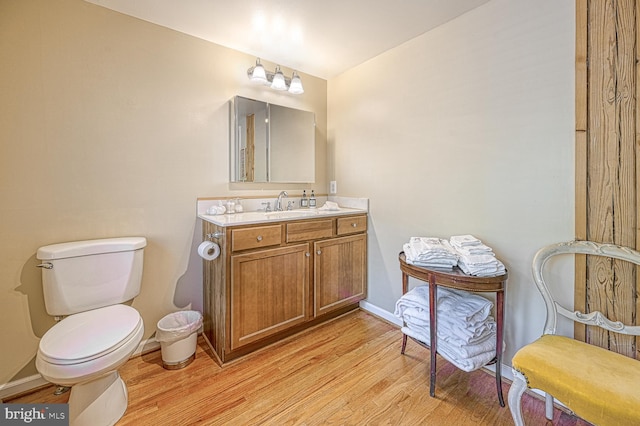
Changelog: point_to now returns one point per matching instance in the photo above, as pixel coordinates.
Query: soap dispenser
(312, 200)
(304, 202)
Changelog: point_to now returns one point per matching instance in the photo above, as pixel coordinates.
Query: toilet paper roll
(208, 250)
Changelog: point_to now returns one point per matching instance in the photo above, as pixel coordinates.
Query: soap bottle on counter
(221, 209)
(312, 200)
(231, 207)
(238, 206)
(304, 202)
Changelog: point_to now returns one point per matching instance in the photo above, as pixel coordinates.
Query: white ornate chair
(600, 386)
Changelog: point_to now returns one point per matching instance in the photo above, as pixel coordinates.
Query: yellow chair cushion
(600, 386)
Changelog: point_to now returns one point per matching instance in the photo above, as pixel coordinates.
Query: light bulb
(296, 85)
(278, 82)
(258, 74)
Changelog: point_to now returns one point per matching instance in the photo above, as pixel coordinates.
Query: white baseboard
(379, 312)
(11, 389)
(146, 346)
(27, 384)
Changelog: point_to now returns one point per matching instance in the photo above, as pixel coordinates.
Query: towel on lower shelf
(455, 332)
(466, 306)
(454, 355)
(466, 330)
(470, 308)
(456, 346)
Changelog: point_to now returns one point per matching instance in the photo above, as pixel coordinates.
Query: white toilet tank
(83, 275)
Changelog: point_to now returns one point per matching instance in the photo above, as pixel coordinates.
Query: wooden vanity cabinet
(273, 280)
(269, 292)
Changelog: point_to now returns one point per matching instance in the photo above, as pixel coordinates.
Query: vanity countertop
(248, 218)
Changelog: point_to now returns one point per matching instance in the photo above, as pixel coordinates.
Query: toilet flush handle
(45, 265)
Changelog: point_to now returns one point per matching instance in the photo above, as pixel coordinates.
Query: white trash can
(178, 335)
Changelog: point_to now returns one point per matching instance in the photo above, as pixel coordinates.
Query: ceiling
(321, 38)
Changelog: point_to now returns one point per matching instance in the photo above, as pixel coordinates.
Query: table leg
(405, 289)
(433, 333)
(499, 338)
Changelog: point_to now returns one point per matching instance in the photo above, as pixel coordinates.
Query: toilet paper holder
(216, 235)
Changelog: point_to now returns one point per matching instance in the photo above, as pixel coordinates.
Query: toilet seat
(83, 337)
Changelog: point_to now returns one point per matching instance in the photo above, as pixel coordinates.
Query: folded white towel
(489, 341)
(466, 364)
(429, 259)
(417, 316)
(461, 359)
(442, 266)
(476, 258)
(429, 248)
(418, 297)
(479, 259)
(464, 318)
(482, 270)
(469, 307)
(464, 240)
(471, 250)
(455, 336)
(330, 206)
(467, 335)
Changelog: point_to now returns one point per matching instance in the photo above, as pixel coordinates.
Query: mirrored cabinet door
(271, 143)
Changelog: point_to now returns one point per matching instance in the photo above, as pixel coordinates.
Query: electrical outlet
(333, 187)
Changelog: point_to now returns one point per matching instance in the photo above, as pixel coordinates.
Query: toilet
(86, 283)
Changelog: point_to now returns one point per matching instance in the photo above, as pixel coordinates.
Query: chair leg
(518, 387)
(548, 406)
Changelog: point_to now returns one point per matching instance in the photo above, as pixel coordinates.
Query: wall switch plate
(333, 187)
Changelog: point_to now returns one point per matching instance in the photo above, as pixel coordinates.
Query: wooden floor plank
(345, 372)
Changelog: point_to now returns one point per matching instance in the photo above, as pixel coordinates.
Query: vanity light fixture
(276, 80)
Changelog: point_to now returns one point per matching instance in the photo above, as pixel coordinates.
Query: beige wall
(111, 126)
(467, 129)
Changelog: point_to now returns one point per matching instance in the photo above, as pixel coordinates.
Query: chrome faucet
(278, 207)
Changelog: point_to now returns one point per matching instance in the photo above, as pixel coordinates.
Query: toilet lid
(88, 335)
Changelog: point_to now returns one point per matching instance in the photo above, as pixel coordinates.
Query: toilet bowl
(87, 282)
(84, 351)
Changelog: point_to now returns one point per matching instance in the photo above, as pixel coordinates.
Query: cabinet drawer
(351, 225)
(250, 238)
(309, 230)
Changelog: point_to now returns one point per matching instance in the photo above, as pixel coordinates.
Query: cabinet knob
(259, 238)
(355, 225)
(307, 254)
(319, 252)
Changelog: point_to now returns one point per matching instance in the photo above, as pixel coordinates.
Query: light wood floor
(347, 372)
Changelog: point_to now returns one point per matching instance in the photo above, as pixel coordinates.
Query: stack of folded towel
(466, 329)
(475, 258)
(430, 253)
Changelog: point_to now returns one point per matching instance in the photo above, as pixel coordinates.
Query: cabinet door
(340, 272)
(269, 292)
